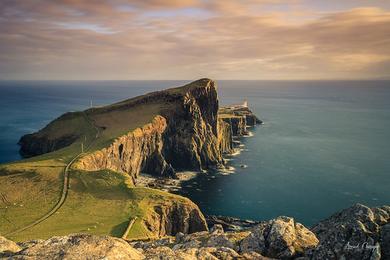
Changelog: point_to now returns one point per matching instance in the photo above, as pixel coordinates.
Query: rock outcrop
(279, 238)
(355, 233)
(8, 246)
(170, 218)
(139, 150)
(81, 246)
(358, 232)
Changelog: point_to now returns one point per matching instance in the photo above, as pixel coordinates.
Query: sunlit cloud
(162, 39)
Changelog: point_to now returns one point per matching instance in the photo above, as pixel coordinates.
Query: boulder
(279, 238)
(80, 246)
(358, 232)
(8, 246)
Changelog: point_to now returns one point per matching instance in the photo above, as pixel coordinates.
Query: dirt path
(129, 226)
(65, 187)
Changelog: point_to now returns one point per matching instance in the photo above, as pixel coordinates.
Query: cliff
(139, 149)
(172, 217)
(355, 233)
(158, 133)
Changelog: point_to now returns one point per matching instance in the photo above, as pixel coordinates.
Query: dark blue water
(324, 145)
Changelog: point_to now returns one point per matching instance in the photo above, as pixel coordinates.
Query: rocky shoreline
(358, 232)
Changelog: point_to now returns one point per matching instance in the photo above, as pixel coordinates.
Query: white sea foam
(236, 152)
(228, 170)
(249, 134)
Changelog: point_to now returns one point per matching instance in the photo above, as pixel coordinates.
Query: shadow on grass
(119, 230)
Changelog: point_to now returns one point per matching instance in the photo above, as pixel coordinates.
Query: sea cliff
(189, 131)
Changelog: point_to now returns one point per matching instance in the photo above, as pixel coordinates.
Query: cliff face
(138, 150)
(225, 137)
(191, 139)
(171, 218)
(53, 137)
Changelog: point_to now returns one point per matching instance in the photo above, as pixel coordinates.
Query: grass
(27, 192)
(100, 202)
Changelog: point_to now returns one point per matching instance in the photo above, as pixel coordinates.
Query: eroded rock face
(225, 137)
(139, 150)
(358, 232)
(238, 125)
(174, 217)
(279, 238)
(79, 246)
(191, 139)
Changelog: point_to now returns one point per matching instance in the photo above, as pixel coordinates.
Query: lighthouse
(245, 104)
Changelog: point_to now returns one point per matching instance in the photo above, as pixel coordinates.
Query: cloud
(159, 39)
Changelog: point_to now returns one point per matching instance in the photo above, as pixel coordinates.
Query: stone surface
(279, 238)
(353, 233)
(139, 150)
(80, 246)
(8, 246)
(171, 218)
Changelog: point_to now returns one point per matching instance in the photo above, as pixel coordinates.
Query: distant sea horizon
(324, 144)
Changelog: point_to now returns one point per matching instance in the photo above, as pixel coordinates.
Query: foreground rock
(355, 233)
(169, 218)
(8, 246)
(358, 232)
(280, 238)
(78, 247)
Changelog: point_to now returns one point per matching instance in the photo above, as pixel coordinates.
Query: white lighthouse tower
(245, 104)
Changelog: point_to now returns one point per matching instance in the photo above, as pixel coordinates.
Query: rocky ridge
(358, 232)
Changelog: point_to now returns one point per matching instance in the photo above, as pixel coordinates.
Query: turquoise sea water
(324, 145)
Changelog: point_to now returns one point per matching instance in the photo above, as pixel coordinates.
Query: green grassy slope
(98, 203)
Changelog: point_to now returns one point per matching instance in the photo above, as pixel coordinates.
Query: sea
(324, 145)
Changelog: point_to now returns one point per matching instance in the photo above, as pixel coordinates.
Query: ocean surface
(324, 145)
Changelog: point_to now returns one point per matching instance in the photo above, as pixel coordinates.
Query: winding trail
(66, 184)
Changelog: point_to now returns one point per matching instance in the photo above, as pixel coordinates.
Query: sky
(190, 39)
